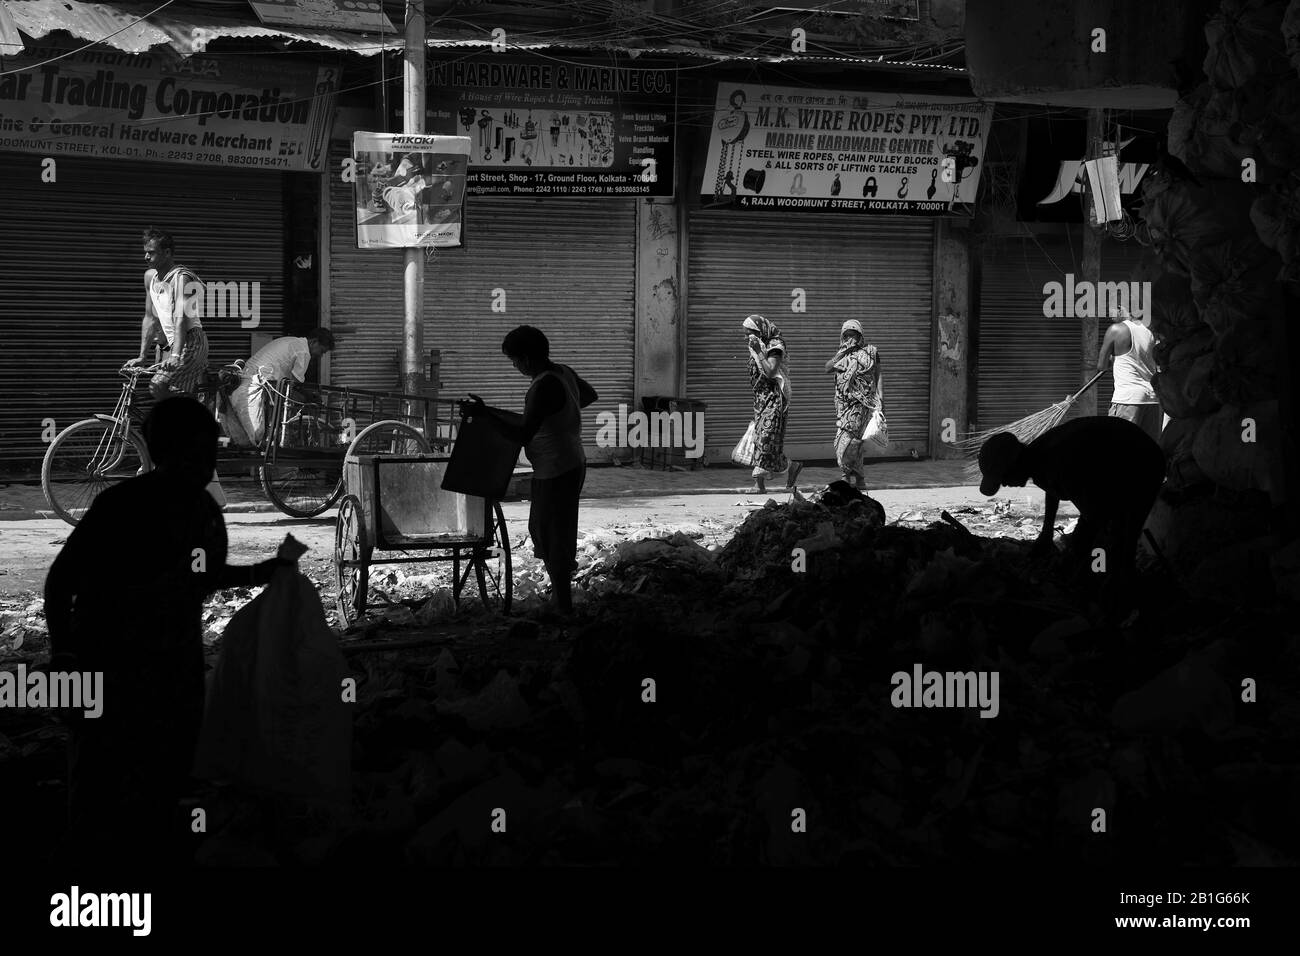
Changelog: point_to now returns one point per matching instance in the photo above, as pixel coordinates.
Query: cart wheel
(389, 438)
(84, 459)
(301, 492)
(351, 559)
(493, 566)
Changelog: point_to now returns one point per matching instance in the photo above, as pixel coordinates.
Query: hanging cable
(92, 43)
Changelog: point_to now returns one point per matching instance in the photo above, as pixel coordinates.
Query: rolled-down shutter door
(879, 271)
(565, 266)
(1028, 361)
(72, 276)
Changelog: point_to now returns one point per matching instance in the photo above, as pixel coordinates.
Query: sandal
(795, 468)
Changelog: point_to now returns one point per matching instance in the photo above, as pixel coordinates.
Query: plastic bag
(275, 720)
(1245, 40)
(746, 448)
(877, 428)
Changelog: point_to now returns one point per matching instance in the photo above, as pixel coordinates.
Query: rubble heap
(773, 690)
(772, 686)
(1225, 245)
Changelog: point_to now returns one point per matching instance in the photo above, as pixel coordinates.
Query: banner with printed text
(786, 148)
(208, 111)
(549, 128)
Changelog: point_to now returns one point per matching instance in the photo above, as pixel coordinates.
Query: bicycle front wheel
(84, 459)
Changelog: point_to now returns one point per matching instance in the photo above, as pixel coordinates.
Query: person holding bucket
(857, 394)
(763, 446)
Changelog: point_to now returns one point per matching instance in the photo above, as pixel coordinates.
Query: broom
(1026, 429)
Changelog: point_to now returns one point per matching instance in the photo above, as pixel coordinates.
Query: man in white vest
(1132, 344)
(173, 317)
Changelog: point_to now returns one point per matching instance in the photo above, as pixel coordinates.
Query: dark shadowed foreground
(772, 658)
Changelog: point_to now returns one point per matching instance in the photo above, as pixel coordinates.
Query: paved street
(612, 496)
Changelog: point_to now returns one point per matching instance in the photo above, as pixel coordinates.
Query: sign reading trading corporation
(202, 110)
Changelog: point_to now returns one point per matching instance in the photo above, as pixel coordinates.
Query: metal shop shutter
(567, 266)
(879, 271)
(1026, 360)
(71, 276)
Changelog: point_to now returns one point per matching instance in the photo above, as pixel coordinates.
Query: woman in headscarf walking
(857, 391)
(770, 382)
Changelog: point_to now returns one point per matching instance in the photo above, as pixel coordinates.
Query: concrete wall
(950, 352)
(661, 275)
(659, 304)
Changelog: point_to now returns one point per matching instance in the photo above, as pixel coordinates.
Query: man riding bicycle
(173, 316)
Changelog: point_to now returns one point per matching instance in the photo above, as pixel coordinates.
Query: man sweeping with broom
(1108, 467)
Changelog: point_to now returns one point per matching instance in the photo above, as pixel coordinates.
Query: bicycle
(93, 454)
(302, 469)
(298, 461)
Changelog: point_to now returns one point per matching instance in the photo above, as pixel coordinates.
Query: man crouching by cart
(550, 430)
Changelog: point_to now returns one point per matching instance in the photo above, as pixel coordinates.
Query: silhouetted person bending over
(125, 598)
(1108, 467)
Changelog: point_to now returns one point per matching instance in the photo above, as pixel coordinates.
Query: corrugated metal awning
(11, 41)
(133, 28)
(136, 28)
(450, 39)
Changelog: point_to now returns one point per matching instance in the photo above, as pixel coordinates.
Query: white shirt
(286, 357)
(1133, 369)
(176, 297)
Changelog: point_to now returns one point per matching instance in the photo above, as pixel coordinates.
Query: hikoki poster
(410, 190)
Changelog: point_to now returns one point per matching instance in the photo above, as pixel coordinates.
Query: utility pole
(413, 278)
(1089, 342)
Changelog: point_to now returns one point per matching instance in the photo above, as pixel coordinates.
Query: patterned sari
(771, 406)
(857, 377)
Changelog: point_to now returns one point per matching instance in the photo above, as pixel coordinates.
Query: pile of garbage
(22, 625)
(721, 678)
(710, 693)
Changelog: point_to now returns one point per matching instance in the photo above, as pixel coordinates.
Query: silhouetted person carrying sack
(125, 598)
(1109, 468)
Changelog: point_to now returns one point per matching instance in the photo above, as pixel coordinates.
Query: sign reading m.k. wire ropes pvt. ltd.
(780, 148)
(245, 113)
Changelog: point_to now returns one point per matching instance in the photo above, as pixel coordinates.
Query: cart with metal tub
(396, 503)
(302, 455)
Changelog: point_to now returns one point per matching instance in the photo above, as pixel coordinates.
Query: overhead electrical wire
(704, 109)
(92, 43)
